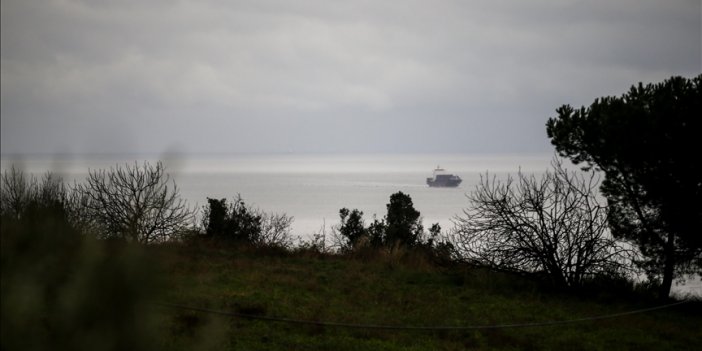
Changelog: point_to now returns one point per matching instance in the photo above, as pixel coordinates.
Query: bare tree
(134, 203)
(275, 230)
(16, 191)
(19, 191)
(552, 224)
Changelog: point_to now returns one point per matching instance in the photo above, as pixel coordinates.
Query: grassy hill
(397, 289)
(62, 290)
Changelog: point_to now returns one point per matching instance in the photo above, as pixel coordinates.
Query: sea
(312, 188)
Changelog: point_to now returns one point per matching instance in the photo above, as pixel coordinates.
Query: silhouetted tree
(647, 144)
(552, 224)
(275, 230)
(376, 232)
(244, 224)
(216, 217)
(239, 222)
(19, 191)
(133, 203)
(352, 226)
(434, 233)
(403, 224)
(235, 221)
(16, 192)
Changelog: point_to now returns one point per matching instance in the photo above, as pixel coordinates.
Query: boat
(443, 179)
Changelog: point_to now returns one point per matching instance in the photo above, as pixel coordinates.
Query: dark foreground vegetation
(120, 262)
(67, 284)
(82, 294)
(400, 288)
(646, 143)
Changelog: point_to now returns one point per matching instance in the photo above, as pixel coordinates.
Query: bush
(352, 227)
(401, 227)
(403, 224)
(240, 223)
(61, 290)
(232, 222)
(19, 192)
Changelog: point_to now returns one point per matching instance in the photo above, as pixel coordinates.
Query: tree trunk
(668, 268)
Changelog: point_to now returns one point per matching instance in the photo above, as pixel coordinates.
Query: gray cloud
(320, 76)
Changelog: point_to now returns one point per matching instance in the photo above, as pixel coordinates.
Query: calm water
(312, 188)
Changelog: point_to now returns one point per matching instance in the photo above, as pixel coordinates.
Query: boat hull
(451, 182)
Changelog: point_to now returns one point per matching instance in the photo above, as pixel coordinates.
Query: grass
(389, 289)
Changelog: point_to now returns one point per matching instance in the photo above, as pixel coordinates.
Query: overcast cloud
(323, 76)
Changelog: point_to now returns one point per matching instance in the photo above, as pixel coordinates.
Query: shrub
(403, 223)
(240, 223)
(351, 227)
(19, 192)
(62, 290)
(401, 227)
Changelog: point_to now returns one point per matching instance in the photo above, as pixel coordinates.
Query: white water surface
(311, 188)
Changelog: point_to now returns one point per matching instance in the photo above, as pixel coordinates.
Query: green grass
(64, 290)
(402, 289)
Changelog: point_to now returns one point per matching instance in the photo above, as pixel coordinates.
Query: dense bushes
(352, 227)
(61, 289)
(236, 222)
(139, 203)
(19, 192)
(401, 227)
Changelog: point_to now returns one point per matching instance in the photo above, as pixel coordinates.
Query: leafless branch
(135, 203)
(553, 223)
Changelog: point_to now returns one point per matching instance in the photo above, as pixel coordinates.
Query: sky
(308, 76)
